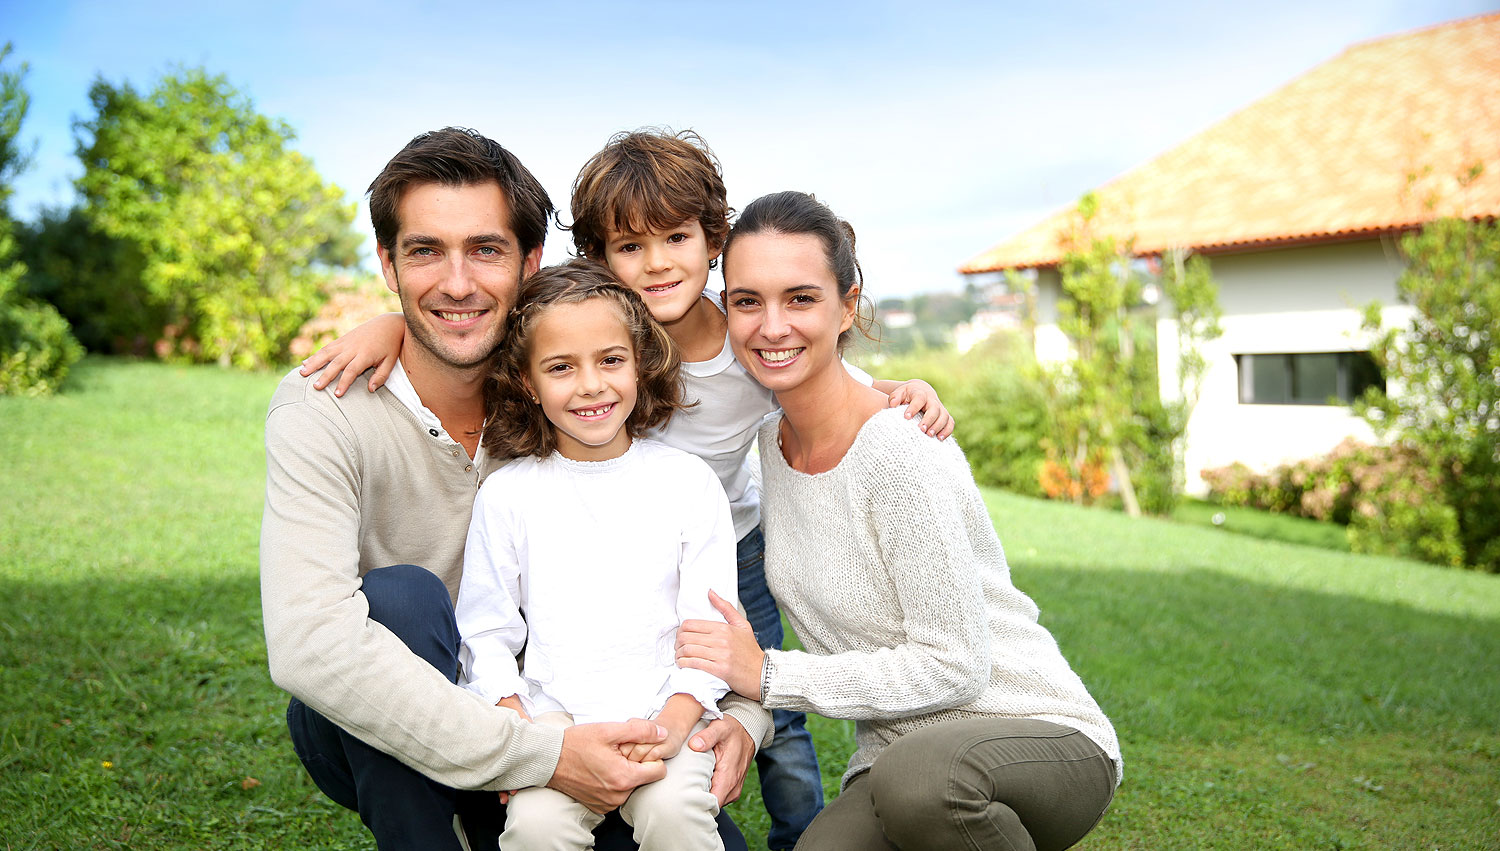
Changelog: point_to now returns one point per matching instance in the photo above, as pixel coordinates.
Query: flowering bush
(1389, 499)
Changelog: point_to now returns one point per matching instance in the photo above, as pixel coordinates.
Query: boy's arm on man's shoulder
(323, 649)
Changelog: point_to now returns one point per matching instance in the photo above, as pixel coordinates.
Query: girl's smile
(583, 373)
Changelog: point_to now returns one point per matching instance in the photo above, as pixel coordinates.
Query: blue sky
(936, 128)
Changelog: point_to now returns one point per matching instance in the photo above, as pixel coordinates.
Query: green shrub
(36, 348)
(999, 409)
(1390, 500)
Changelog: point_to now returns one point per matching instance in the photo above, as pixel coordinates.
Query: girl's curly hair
(514, 425)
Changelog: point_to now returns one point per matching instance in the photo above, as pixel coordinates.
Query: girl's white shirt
(592, 566)
(722, 427)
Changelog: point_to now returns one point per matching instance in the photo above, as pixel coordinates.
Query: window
(1306, 378)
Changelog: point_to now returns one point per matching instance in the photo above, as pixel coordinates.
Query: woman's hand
(919, 398)
(376, 343)
(727, 650)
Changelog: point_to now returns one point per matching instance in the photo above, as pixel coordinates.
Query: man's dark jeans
(403, 808)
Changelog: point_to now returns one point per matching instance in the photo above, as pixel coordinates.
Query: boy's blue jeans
(400, 806)
(790, 783)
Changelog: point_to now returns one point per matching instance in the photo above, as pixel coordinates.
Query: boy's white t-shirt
(722, 427)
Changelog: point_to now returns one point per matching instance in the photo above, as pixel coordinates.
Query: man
(361, 488)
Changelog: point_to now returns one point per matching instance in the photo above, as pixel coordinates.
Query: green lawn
(1268, 695)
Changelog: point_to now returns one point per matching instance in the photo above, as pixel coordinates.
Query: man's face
(456, 265)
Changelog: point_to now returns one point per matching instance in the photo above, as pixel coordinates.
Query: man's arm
(323, 648)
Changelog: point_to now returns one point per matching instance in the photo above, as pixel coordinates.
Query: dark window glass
(1315, 378)
(1306, 378)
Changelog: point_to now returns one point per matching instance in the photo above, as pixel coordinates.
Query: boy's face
(667, 268)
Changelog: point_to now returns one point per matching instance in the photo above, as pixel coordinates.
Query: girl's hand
(919, 398)
(376, 343)
(513, 703)
(643, 752)
(727, 650)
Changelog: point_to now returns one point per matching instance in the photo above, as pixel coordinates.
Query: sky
(936, 128)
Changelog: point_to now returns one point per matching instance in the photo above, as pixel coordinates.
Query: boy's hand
(678, 717)
(919, 398)
(375, 343)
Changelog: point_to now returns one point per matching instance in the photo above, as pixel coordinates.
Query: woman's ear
(851, 309)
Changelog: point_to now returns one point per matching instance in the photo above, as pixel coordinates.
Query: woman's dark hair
(457, 156)
(515, 425)
(792, 213)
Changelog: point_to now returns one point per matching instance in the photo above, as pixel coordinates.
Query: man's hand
(733, 751)
(593, 771)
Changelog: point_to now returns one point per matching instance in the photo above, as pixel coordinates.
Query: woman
(972, 730)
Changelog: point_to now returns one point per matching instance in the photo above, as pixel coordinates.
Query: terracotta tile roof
(1326, 157)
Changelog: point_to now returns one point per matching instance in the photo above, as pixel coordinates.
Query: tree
(36, 346)
(1109, 418)
(236, 230)
(1442, 370)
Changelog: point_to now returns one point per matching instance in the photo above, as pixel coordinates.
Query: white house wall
(1308, 299)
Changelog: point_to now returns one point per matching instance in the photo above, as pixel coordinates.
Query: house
(1298, 201)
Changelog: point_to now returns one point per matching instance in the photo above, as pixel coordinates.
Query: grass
(1262, 524)
(1268, 695)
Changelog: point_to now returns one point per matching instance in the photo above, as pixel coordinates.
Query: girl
(605, 541)
(971, 729)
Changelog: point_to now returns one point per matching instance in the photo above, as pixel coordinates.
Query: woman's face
(785, 313)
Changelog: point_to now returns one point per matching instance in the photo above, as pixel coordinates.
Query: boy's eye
(628, 248)
(677, 238)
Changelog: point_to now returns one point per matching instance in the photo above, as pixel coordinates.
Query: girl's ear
(530, 391)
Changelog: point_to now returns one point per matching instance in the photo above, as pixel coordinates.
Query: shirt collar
(401, 387)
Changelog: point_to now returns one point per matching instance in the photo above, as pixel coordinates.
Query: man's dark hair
(458, 156)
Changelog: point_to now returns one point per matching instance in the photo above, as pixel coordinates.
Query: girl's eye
(614, 360)
(557, 367)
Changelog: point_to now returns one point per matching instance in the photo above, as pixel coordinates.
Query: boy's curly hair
(515, 426)
(649, 179)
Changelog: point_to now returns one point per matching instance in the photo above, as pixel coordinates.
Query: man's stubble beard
(430, 341)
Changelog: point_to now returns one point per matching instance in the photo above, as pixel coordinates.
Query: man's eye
(487, 250)
(424, 251)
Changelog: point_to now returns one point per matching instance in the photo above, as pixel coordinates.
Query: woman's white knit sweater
(891, 573)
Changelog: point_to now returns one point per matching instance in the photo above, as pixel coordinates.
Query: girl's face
(582, 371)
(785, 313)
